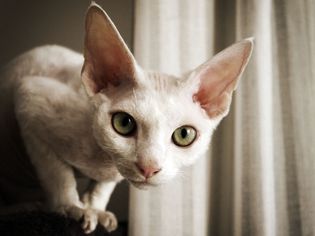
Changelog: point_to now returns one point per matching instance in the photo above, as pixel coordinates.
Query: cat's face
(153, 124)
(167, 131)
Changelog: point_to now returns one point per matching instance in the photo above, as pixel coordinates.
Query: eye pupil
(125, 121)
(184, 133)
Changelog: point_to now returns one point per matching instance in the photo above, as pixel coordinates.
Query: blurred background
(28, 24)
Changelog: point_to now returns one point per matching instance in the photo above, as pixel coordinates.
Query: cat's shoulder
(46, 90)
(50, 60)
(51, 54)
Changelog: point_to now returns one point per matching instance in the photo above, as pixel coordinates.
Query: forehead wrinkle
(162, 82)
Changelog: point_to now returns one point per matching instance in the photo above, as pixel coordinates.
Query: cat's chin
(143, 185)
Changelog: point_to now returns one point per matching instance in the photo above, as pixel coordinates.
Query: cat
(103, 117)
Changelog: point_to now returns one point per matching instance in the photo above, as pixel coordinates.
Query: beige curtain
(262, 160)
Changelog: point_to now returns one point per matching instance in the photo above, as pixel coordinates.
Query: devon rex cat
(124, 122)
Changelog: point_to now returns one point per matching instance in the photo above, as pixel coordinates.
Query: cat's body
(122, 123)
(48, 90)
(53, 113)
(13, 154)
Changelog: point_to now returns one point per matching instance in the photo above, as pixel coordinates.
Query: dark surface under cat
(49, 224)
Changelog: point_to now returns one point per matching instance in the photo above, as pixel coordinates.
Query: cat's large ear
(219, 76)
(108, 61)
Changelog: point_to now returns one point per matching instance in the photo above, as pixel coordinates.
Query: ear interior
(219, 77)
(108, 60)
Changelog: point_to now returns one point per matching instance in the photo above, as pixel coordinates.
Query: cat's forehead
(162, 91)
(161, 98)
(162, 82)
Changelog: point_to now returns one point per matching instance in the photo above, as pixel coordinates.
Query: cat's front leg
(95, 201)
(56, 178)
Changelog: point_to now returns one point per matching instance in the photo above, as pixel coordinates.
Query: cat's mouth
(134, 178)
(142, 184)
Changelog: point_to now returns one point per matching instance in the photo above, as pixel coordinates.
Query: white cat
(123, 122)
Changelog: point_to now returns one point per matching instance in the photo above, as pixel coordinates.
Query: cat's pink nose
(148, 170)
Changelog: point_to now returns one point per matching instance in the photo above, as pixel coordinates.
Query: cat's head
(153, 124)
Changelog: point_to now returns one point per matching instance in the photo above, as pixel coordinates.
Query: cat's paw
(92, 217)
(90, 220)
(108, 220)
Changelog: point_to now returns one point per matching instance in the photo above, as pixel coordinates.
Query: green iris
(184, 136)
(123, 123)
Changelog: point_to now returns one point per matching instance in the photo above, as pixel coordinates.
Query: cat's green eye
(123, 123)
(184, 136)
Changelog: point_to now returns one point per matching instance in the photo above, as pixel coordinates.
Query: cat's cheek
(127, 169)
(115, 145)
(195, 155)
(189, 155)
(169, 171)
